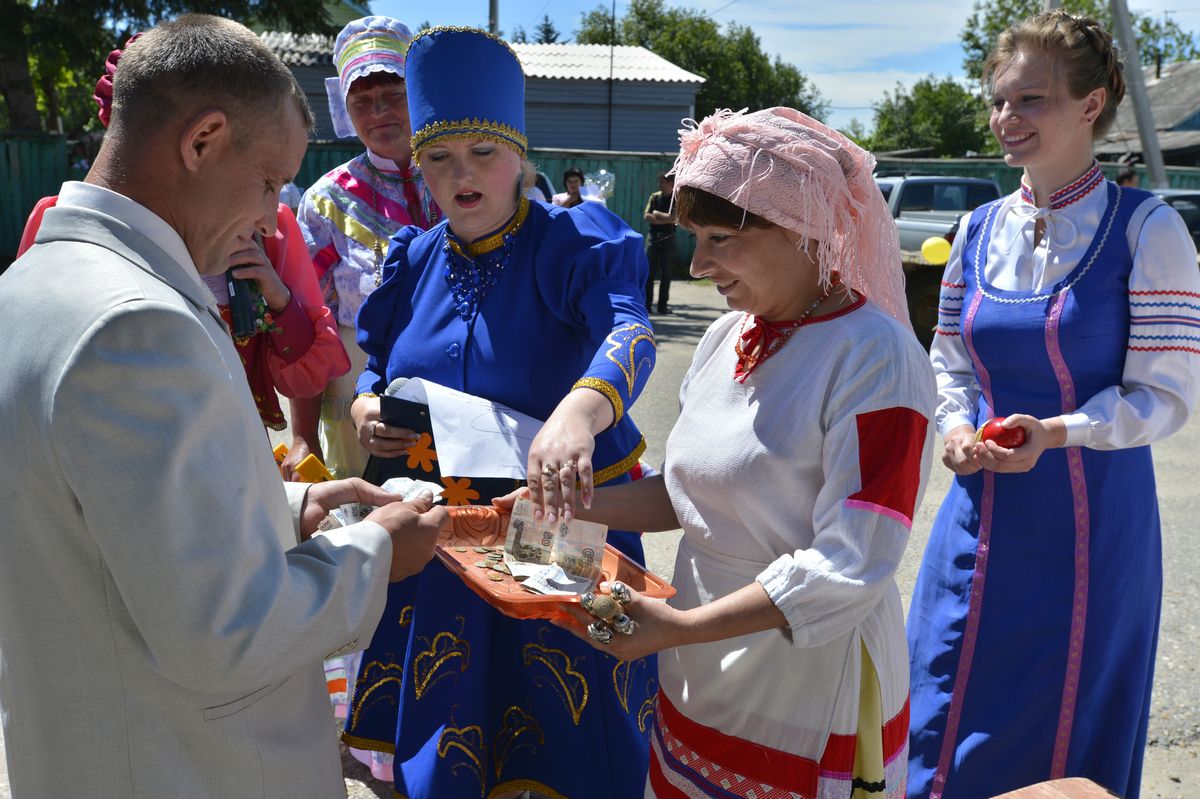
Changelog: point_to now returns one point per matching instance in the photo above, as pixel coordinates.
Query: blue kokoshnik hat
(465, 83)
(370, 44)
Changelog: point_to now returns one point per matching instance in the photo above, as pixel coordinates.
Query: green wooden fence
(635, 176)
(33, 166)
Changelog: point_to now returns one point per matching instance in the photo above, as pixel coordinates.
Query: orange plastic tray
(482, 526)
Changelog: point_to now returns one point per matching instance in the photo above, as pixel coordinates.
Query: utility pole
(1151, 154)
(494, 17)
(1050, 5)
(612, 44)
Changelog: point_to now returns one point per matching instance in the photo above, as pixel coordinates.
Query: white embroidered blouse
(1161, 380)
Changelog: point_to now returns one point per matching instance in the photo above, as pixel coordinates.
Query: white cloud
(856, 91)
(853, 50)
(848, 35)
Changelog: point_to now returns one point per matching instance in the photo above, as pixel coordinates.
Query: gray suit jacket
(161, 632)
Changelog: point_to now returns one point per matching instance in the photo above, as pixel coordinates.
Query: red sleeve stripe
(1166, 293)
(1192, 350)
(890, 442)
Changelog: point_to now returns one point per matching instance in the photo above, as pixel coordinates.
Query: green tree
(545, 32)
(936, 114)
(991, 17)
(518, 35)
(857, 133)
(52, 51)
(737, 72)
(1163, 41)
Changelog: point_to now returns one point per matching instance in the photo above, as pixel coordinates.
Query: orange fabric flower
(420, 454)
(458, 491)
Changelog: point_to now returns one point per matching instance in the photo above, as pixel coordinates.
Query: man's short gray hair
(196, 62)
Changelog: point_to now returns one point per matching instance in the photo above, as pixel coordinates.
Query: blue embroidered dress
(473, 703)
(1034, 620)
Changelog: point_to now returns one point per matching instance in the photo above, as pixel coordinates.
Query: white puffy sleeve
(1161, 380)
(958, 390)
(875, 454)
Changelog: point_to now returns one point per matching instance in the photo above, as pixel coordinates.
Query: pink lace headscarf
(793, 171)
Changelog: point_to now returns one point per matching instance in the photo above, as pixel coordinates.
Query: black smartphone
(241, 303)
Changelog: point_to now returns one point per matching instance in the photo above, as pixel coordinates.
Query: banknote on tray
(560, 558)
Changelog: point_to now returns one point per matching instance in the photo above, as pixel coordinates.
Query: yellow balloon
(936, 250)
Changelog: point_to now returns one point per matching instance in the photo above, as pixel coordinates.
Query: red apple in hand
(993, 430)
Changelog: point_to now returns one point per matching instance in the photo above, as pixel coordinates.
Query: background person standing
(660, 244)
(349, 214)
(572, 185)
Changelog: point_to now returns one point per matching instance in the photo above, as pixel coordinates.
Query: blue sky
(853, 51)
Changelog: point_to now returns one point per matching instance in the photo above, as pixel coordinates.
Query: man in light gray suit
(164, 602)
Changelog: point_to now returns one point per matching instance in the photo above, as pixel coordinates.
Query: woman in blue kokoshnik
(541, 309)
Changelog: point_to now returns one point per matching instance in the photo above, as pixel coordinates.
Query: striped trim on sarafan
(1164, 321)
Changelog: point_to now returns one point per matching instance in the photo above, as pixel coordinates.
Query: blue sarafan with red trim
(1034, 621)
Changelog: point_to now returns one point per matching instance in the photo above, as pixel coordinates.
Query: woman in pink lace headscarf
(798, 460)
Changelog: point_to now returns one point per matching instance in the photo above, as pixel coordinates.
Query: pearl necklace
(759, 339)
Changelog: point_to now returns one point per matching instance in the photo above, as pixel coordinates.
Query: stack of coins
(493, 561)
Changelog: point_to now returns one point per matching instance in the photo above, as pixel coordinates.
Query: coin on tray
(500, 567)
(495, 576)
(482, 564)
(482, 550)
(460, 549)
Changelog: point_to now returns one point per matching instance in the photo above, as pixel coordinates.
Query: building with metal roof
(596, 97)
(577, 96)
(1174, 94)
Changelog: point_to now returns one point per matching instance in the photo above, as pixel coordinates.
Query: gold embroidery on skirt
(571, 686)
(427, 666)
(371, 677)
(516, 723)
(646, 711)
(469, 741)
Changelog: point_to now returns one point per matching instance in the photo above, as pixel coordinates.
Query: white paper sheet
(474, 437)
